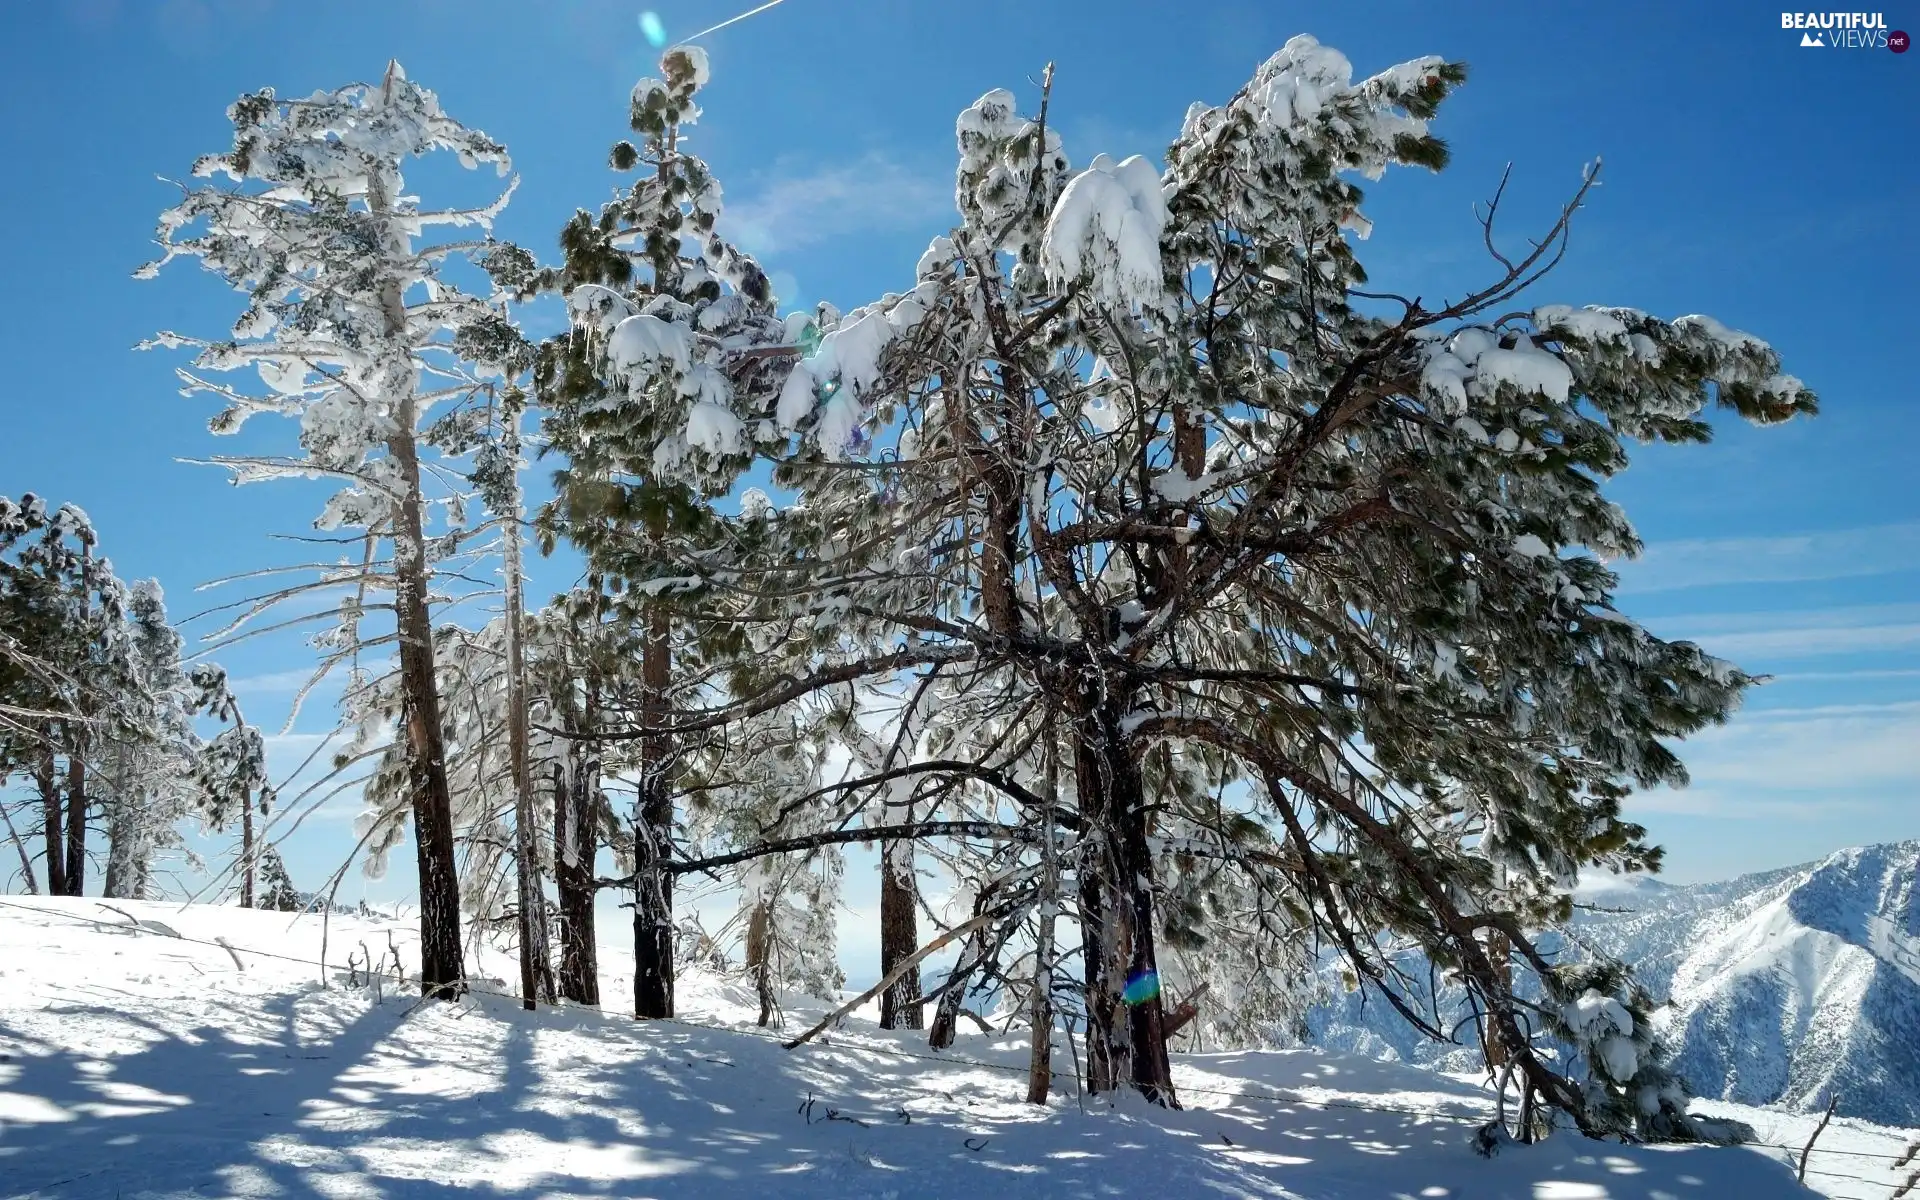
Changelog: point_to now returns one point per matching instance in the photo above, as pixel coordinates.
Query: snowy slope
(139, 1057)
(1783, 984)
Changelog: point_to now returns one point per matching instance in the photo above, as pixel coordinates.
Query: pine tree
(279, 894)
(232, 772)
(149, 753)
(71, 673)
(654, 400)
(1243, 522)
(355, 330)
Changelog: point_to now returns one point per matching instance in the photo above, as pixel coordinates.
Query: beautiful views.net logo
(1845, 31)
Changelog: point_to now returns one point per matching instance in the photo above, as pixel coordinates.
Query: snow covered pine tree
(654, 399)
(343, 311)
(91, 701)
(1314, 572)
(232, 771)
(148, 755)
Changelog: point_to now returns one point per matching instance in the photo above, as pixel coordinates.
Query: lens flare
(1141, 987)
(655, 32)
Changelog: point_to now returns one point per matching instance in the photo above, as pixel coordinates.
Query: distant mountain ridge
(1784, 985)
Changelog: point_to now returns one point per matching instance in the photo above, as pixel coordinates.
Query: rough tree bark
(653, 835)
(1500, 954)
(760, 957)
(899, 936)
(441, 967)
(76, 872)
(51, 824)
(575, 846)
(1126, 1042)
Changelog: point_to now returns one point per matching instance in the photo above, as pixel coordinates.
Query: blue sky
(1745, 177)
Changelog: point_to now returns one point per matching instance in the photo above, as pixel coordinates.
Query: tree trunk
(536, 959)
(247, 868)
(78, 737)
(442, 971)
(1040, 1019)
(1190, 456)
(1499, 953)
(653, 836)
(76, 809)
(26, 860)
(899, 936)
(51, 825)
(946, 1014)
(760, 956)
(573, 856)
(1126, 1039)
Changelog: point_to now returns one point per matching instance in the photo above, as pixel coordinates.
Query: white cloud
(1798, 763)
(1804, 634)
(274, 683)
(292, 743)
(1737, 805)
(796, 208)
(1834, 749)
(1864, 673)
(1835, 554)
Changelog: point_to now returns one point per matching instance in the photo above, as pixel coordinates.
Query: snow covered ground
(139, 1056)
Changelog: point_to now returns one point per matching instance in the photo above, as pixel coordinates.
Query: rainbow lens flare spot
(1142, 986)
(655, 32)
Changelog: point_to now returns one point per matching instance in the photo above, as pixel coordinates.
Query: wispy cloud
(1762, 636)
(274, 683)
(1834, 554)
(1831, 748)
(1738, 805)
(1798, 763)
(1864, 673)
(797, 206)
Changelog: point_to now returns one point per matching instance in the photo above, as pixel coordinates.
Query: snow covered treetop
(345, 141)
(659, 105)
(345, 313)
(1272, 162)
(1002, 157)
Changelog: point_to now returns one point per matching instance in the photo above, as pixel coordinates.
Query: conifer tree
(354, 329)
(232, 772)
(654, 399)
(71, 673)
(279, 894)
(148, 753)
(1311, 571)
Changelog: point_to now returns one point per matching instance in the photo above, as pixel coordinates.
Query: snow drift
(155, 1051)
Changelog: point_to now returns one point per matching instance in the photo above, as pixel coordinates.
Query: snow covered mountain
(1784, 985)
